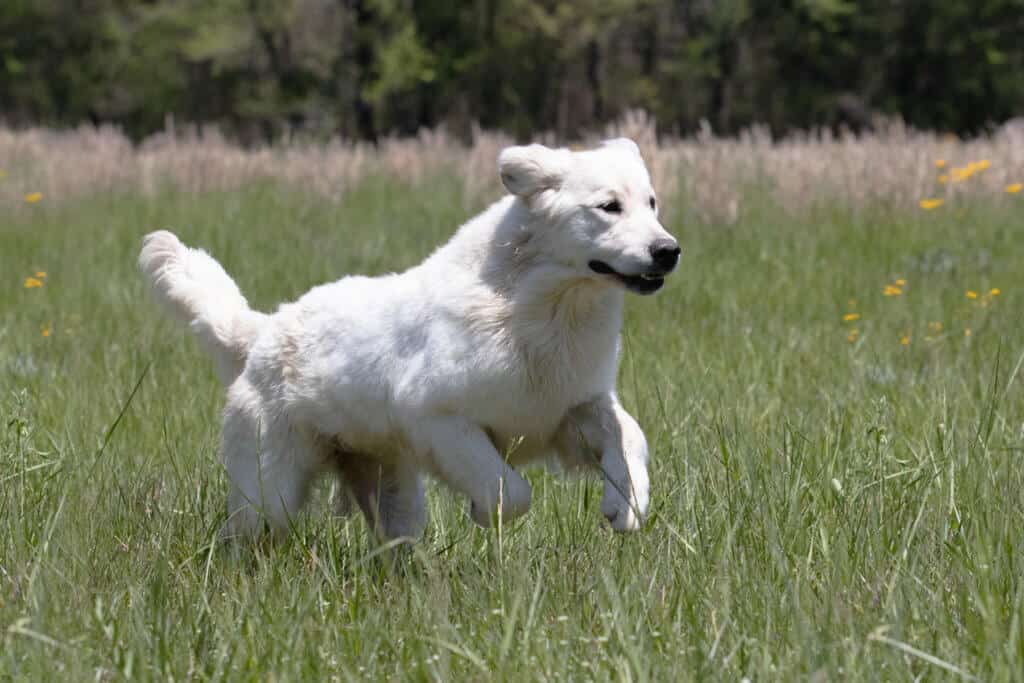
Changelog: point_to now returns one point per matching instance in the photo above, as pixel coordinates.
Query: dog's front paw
(625, 512)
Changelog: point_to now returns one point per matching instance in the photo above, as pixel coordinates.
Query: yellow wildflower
(935, 326)
(33, 197)
(850, 317)
(929, 204)
(892, 290)
(965, 172)
(940, 163)
(853, 335)
(45, 331)
(905, 340)
(967, 332)
(971, 294)
(32, 283)
(1014, 188)
(900, 282)
(944, 178)
(995, 291)
(41, 274)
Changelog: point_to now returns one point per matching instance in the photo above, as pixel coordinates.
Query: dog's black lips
(647, 283)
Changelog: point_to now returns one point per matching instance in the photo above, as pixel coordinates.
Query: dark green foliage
(363, 68)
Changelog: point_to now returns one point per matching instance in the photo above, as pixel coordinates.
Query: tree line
(367, 68)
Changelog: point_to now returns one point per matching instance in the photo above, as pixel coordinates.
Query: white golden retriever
(500, 349)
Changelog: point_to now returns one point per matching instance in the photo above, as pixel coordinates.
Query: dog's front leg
(464, 458)
(600, 433)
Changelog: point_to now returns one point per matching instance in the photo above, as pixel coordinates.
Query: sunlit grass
(828, 502)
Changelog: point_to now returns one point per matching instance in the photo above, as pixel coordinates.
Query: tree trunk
(363, 59)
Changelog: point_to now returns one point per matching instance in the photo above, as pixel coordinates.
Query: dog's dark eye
(611, 207)
(653, 204)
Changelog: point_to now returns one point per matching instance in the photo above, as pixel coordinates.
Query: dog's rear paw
(486, 519)
(515, 503)
(342, 503)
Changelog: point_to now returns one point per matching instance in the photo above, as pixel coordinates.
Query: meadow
(831, 385)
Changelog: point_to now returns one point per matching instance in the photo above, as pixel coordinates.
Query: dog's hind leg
(464, 457)
(391, 495)
(342, 503)
(270, 466)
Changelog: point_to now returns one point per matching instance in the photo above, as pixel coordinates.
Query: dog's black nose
(665, 253)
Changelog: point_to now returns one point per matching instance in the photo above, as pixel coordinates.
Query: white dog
(500, 349)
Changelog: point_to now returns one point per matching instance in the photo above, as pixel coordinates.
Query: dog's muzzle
(646, 282)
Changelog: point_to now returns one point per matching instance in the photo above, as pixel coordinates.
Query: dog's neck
(518, 269)
(549, 297)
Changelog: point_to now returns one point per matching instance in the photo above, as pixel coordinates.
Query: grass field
(833, 400)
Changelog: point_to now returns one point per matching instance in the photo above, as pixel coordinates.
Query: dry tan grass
(714, 175)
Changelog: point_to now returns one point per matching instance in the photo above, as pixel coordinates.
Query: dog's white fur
(500, 349)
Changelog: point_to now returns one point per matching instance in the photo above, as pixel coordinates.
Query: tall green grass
(822, 508)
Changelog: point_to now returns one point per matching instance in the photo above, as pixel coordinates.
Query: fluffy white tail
(195, 288)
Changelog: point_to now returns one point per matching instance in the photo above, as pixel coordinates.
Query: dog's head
(597, 211)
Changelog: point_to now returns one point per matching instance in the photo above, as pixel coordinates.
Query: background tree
(363, 68)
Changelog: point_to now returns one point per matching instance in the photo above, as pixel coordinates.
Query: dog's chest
(537, 380)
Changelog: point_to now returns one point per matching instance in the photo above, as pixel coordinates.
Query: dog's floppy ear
(624, 144)
(530, 169)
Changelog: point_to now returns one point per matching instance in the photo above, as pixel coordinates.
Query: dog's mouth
(641, 283)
